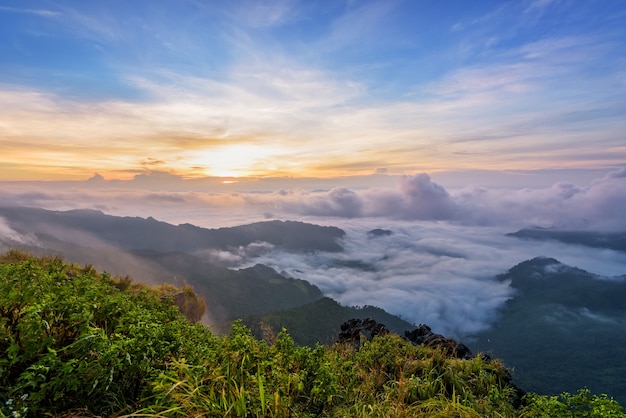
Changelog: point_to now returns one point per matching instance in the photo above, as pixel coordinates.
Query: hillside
(75, 342)
(157, 252)
(561, 316)
(91, 227)
(319, 321)
(557, 317)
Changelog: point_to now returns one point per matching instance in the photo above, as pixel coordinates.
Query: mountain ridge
(611, 240)
(557, 317)
(135, 233)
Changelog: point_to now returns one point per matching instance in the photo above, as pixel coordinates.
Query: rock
(358, 331)
(424, 335)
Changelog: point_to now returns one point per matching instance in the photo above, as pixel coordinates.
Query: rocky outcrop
(424, 335)
(358, 331)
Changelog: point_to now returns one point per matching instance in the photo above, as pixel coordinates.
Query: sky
(450, 123)
(164, 91)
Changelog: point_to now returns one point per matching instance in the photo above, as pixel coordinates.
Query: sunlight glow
(236, 160)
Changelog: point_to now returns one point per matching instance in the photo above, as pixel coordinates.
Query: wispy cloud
(266, 14)
(480, 20)
(37, 12)
(360, 21)
(305, 117)
(530, 104)
(540, 5)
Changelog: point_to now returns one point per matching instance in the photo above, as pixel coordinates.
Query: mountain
(78, 343)
(231, 294)
(564, 329)
(320, 321)
(156, 252)
(92, 227)
(611, 240)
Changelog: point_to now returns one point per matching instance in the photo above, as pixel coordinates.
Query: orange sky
(289, 90)
(47, 137)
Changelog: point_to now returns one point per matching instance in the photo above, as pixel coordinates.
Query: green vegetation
(319, 321)
(75, 342)
(561, 316)
(234, 294)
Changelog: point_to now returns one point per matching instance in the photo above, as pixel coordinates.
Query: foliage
(580, 404)
(70, 338)
(233, 293)
(77, 342)
(328, 314)
(561, 316)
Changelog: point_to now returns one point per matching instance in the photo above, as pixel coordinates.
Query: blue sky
(226, 112)
(309, 88)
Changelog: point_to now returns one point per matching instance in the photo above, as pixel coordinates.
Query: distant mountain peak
(136, 233)
(378, 232)
(596, 239)
(537, 263)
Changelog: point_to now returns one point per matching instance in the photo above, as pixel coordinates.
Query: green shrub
(69, 338)
(580, 404)
(75, 342)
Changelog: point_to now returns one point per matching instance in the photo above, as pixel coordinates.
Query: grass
(75, 341)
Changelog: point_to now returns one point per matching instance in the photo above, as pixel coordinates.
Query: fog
(597, 205)
(437, 266)
(431, 272)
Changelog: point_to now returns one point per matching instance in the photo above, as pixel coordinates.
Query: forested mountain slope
(75, 342)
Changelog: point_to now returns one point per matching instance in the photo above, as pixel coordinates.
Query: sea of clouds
(436, 273)
(437, 266)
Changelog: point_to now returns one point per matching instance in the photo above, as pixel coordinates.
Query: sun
(236, 160)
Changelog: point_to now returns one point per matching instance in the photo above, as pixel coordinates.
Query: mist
(438, 265)
(436, 273)
(597, 205)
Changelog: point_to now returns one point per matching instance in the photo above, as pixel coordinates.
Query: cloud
(38, 12)
(621, 173)
(340, 202)
(302, 107)
(539, 6)
(435, 273)
(360, 21)
(437, 266)
(597, 205)
(299, 119)
(267, 14)
(235, 257)
(9, 236)
(423, 199)
(563, 205)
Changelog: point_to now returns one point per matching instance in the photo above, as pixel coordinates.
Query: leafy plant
(75, 342)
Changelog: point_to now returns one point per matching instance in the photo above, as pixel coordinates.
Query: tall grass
(77, 342)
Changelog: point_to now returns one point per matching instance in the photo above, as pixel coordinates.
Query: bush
(75, 342)
(69, 338)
